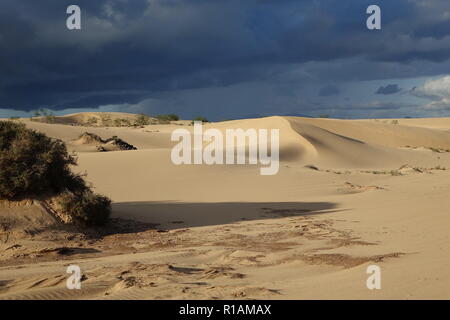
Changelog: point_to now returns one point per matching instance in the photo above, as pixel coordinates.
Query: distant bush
(126, 122)
(122, 123)
(43, 115)
(142, 120)
(202, 119)
(168, 117)
(34, 165)
(117, 122)
(92, 121)
(106, 120)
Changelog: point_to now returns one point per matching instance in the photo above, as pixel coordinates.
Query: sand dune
(349, 193)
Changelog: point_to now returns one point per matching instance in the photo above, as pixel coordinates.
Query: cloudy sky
(226, 59)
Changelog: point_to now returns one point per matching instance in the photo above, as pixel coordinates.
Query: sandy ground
(349, 194)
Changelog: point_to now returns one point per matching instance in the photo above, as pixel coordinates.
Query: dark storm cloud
(129, 51)
(388, 89)
(329, 90)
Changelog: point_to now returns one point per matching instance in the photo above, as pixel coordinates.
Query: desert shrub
(202, 119)
(126, 123)
(49, 118)
(173, 117)
(122, 122)
(43, 115)
(106, 120)
(86, 207)
(34, 165)
(168, 117)
(92, 121)
(117, 122)
(141, 120)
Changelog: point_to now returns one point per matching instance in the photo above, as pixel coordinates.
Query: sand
(349, 194)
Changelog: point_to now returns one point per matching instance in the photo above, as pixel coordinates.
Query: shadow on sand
(174, 215)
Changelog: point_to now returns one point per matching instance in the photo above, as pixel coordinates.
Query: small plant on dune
(34, 165)
(106, 120)
(166, 118)
(173, 117)
(126, 122)
(117, 122)
(141, 120)
(35, 115)
(43, 115)
(49, 117)
(92, 121)
(121, 122)
(202, 119)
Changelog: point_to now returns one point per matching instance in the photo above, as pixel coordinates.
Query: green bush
(34, 165)
(43, 115)
(142, 120)
(168, 117)
(202, 119)
(91, 121)
(87, 207)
